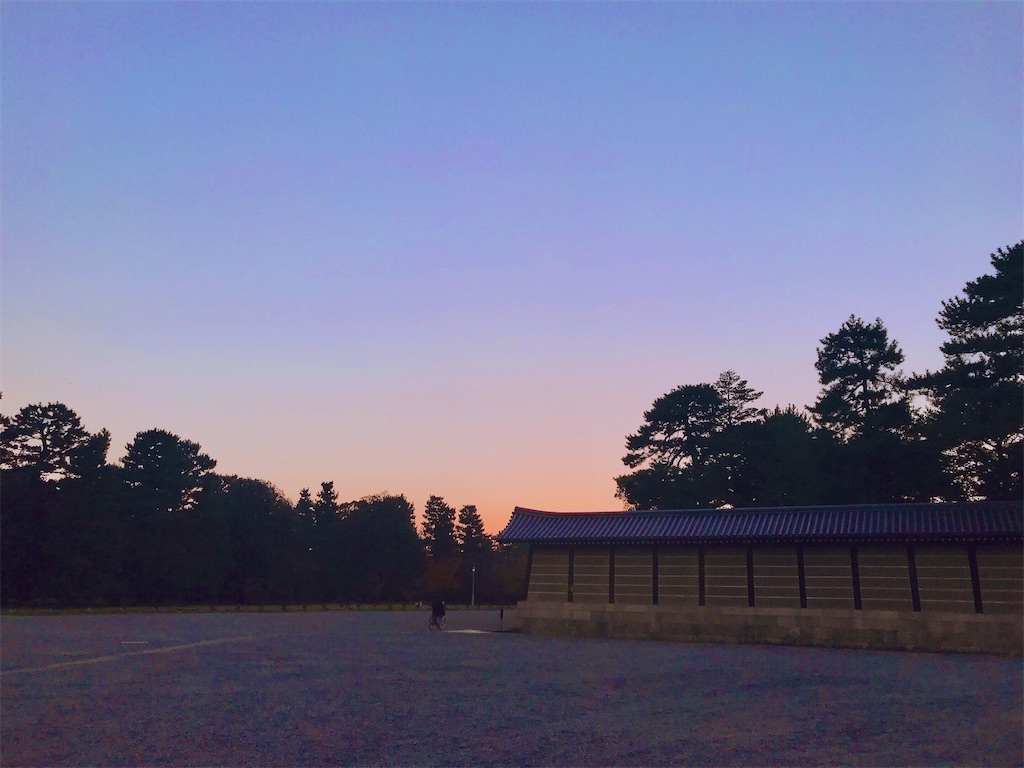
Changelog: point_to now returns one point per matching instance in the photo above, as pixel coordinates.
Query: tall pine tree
(681, 454)
(978, 395)
(439, 528)
(861, 386)
(325, 508)
(44, 438)
(470, 535)
(875, 454)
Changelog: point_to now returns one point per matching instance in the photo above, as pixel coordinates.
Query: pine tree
(736, 396)
(778, 461)
(43, 437)
(325, 508)
(683, 454)
(861, 389)
(876, 454)
(165, 471)
(470, 535)
(978, 396)
(439, 528)
(677, 428)
(304, 506)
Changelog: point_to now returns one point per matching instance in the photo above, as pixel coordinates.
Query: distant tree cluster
(873, 435)
(161, 527)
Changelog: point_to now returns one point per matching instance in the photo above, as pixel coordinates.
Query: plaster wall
(893, 597)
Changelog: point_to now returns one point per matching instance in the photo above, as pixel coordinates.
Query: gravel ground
(376, 688)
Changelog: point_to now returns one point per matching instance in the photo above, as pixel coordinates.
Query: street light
(472, 592)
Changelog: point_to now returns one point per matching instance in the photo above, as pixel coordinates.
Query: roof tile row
(965, 521)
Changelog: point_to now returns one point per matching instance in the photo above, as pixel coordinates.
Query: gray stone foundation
(1001, 634)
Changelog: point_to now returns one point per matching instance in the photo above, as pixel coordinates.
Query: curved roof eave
(911, 523)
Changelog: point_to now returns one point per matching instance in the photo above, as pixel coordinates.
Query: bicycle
(436, 621)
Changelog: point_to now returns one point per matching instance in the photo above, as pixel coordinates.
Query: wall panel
(776, 577)
(725, 576)
(944, 578)
(634, 577)
(678, 580)
(885, 578)
(1001, 573)
(590, 574)
(549, 576)
(828, 577)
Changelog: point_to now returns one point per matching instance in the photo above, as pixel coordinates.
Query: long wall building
(933, 577)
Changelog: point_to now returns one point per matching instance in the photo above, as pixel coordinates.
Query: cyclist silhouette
(436, 614)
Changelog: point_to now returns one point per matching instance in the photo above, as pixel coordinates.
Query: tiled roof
(965, 521)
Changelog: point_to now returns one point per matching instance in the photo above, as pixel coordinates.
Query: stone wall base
(1001, 634)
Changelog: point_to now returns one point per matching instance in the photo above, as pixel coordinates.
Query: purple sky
(458, 249)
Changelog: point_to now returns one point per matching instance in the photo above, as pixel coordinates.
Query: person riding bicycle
(437, 613)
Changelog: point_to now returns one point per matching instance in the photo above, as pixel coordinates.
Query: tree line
(161, 527)
(874, 434)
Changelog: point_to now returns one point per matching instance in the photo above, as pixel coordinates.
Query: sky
(460, 248)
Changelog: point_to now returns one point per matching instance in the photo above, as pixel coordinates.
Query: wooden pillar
(972, 559)
(855, 569)
(571, 575)
(750, 577)
(654, 575)
(611, 574)
(701, 595)
(801, 575)
(915, 592)
(529, 571)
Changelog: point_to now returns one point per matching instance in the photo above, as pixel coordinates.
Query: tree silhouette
(978, 395)
(264, 542)
(470, 534)
(442, 574)
(304, 506)
(677, 429)
(477, 548)
(89, 458)
(683, 454)
(736, 396)
(165, 470)
(164, 475)
(878, 454)
(325, 508)
(88, 526)
(384, 552)
(439, 528)
(44, 438)
(779, 461)
(27, 555)
(861, 388)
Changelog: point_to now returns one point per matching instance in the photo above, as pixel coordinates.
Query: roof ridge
(961, 521)
(884, 505)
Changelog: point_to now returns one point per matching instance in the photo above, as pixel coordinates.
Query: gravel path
(366, 688)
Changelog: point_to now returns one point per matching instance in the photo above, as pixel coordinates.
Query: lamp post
(472, 589)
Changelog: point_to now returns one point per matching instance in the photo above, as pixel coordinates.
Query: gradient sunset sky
(458, 249)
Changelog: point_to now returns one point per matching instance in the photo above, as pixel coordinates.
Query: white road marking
(116, 656)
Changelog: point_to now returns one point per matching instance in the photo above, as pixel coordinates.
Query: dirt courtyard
(376, 688)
